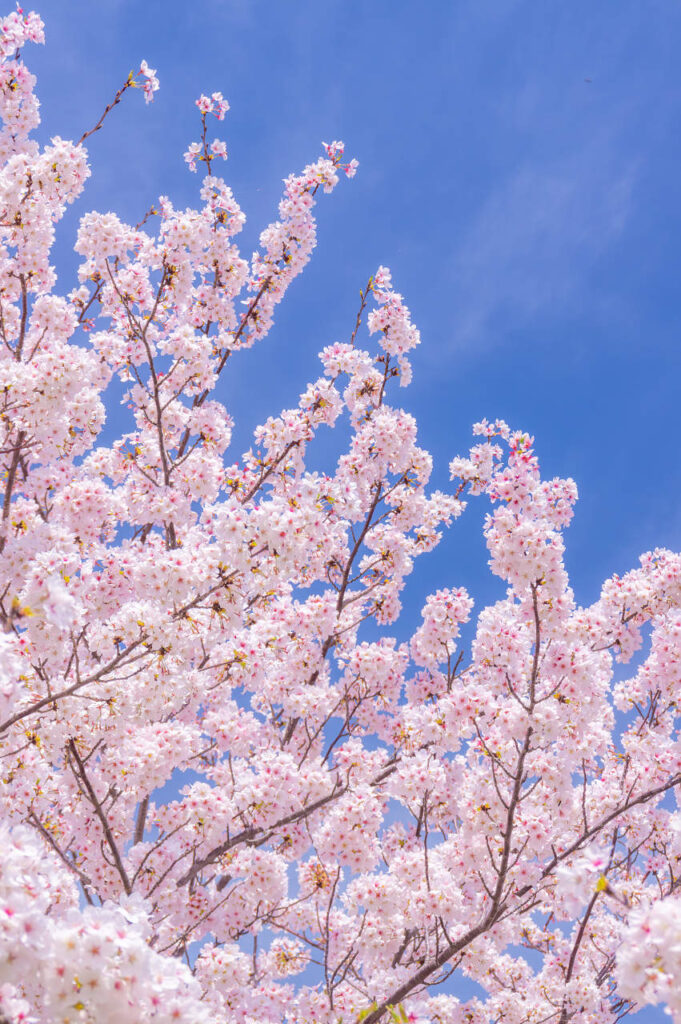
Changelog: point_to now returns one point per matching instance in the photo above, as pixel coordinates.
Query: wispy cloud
(531, 246)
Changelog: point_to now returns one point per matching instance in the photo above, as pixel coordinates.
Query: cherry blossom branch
(82, 777)
(256, 835)
(364, 296)
(11, 476)
(357, 545)
(24, 318)
(85, 881)
(200, 399)
(129, 83)
(150, 84)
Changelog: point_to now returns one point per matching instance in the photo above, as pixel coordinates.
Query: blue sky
(518, 173)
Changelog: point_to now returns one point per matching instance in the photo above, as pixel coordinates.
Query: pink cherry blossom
(150, 82)
(238, 783)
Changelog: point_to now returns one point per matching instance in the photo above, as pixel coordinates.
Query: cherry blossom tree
(229, 792)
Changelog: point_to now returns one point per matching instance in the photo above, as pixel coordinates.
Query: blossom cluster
(649, 963)
(71, 965)
(215, 104)
(148, 80)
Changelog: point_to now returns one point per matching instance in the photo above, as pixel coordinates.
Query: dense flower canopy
(229, 792)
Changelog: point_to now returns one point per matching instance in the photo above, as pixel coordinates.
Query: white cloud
(531, 246)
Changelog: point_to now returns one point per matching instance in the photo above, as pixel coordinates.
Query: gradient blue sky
(518, 173)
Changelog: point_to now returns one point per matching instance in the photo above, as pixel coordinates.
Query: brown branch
(401, 993)
(141, 820)
(71, 865)
(200, 399)
(11, 475)
(257, 835)
(24, 318)
(81, 774)
(363, 296)
(122, 660)
(107, 110)
(358, 544)
(51, 698)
